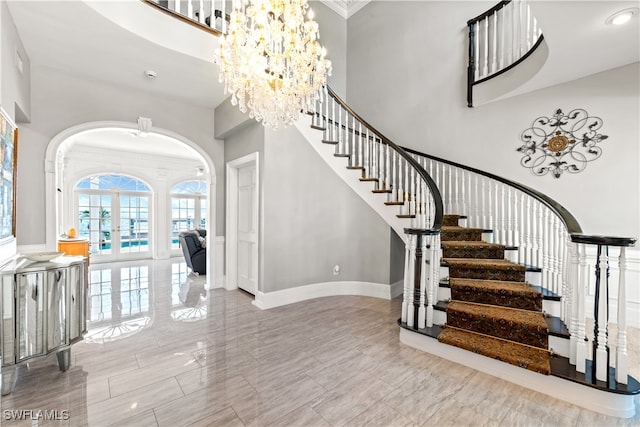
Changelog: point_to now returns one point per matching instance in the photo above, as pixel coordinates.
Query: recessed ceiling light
(622, 16)
(150, 74)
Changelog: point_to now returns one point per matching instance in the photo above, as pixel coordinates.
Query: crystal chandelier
(271, 61)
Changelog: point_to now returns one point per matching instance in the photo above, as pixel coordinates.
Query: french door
(116, 223)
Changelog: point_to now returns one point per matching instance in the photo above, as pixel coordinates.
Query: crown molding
(345, 8)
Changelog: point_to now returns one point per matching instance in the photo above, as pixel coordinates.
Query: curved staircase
(515, 279)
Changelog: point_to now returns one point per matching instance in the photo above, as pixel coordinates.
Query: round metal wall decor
(561, 143)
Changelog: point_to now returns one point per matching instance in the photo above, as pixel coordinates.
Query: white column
(407, 291)
(412, 272)
(423, 282)
(583, 285)
(573, 282)
(602, 368)
(621, 346)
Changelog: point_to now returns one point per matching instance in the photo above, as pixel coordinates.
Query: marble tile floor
(162, 351)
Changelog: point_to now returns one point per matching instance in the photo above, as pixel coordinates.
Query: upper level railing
(499, 39)
(204, 14)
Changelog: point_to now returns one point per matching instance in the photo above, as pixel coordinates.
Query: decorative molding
(345, 8)
(267, 300)
(613, 404)
(561, 143)
(220, 278)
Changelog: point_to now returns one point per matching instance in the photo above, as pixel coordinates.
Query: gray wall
(333, 36)
(61, 100)
(411, 85)
(313, 221)
(15, 87)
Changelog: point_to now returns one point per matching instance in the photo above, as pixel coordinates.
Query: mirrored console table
(43, 310)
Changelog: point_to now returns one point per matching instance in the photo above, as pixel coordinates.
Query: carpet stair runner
(493, 311)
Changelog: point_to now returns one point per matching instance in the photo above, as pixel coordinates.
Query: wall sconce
(561, 143)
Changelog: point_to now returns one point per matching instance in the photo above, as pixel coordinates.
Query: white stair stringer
(352, 178)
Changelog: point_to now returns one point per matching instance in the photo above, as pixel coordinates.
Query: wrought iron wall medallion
(561, 143)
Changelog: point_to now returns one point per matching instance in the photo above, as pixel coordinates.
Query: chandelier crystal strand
(271, 62)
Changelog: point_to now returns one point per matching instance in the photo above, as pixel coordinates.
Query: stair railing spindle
(485, 48)
(494, 42)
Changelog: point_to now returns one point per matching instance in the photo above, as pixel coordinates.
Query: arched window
(188, 208)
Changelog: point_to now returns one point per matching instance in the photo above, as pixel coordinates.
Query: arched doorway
(111, 148)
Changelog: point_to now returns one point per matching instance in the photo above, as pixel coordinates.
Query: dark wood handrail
(433, 188)
(488, 12)
(570, 222)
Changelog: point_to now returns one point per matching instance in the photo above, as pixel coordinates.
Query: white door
(247, 228)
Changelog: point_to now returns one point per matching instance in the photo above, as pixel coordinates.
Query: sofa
(194, 253)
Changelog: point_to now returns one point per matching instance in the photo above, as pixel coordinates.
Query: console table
(42, 309)
(74, 247)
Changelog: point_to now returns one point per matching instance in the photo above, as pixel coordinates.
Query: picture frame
(8, 176)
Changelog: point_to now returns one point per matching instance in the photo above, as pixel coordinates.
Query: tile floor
(162, 351)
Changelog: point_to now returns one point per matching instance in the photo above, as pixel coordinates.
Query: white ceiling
(72, 36)
(126, 141)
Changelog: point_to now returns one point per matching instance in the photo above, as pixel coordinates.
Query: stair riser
(461, 235)
(548, 306)
(501, 299)
(487, 273)
(480, 253)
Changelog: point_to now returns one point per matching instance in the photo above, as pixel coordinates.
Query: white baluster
(546, 236)
(621, 345)
(412, 270)
(476, 71)
(485, 50)
(201, 17)
(387, 169)
(176, 6)
(528, 30)
(583, 286)
(422, 314)
(190, 9)
(333, 120)
(573, 281)
(412, 204)
(516, 30)
(407, 189)
(223, 10)
(362, 144)
(602, 321)
(522, 17)
(494, 43)
(501, 52)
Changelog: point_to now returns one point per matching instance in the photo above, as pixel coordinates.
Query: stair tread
(458, 228)
(501, 264)
(534, 359)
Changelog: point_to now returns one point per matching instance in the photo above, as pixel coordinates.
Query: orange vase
(72, 232)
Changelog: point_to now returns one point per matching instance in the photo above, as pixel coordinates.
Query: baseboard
(612, 404)
(267, 300)
(397, 288)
